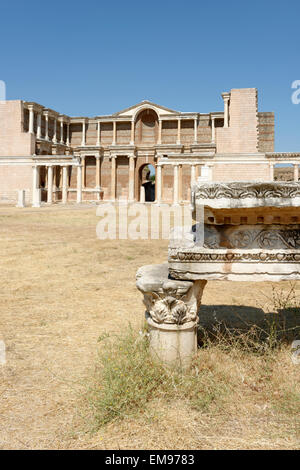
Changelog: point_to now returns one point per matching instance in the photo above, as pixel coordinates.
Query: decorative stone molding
(241, 190)
(252, 236)
(234, 257)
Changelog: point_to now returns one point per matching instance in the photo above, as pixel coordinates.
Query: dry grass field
(61, 288)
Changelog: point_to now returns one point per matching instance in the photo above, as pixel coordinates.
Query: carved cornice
(243, 190)
(234, 257)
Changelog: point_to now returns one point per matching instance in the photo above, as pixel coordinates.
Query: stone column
(296, 172)
(226, 97)
(195, 131)
(158, 182)
(271, 166)
(68, 133)
(114, 142)
(39, 126)
(142, 194)
(83, 171)
(61, 131)
(176, 186)
(35, 186)
(98, 133)
(98, 162)
(132, 133)
(46, 126)
(113, 177)
(213, 131)
(79, 185)
(83, 134)
(50, 185)
(180, 183)
(131, 178)
(159, 131)
(172, 314)
(31, 120)
(54, 131)
(64, 184)
(178, 142)
(193, 174)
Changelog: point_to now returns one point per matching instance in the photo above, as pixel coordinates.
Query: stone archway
(146, 183)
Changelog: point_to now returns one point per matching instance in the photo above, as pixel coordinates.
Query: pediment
(133, 110)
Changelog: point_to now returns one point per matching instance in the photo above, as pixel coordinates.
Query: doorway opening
(147, 183)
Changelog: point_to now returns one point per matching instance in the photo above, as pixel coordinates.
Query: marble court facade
(103, 158)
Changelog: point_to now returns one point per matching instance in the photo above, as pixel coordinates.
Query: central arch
(146, 127)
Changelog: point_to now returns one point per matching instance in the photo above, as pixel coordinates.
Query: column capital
(226, 96)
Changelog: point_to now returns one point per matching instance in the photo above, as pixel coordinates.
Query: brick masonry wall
(266, 123)
(90, 172)
(122, 177)
(91, 134)
(204, 130)
(75, 135)
(242, 134)
(106, 134)
(105, 181)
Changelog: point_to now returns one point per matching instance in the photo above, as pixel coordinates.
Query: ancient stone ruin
(243, 231)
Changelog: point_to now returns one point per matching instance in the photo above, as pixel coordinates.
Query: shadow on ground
(235, 319)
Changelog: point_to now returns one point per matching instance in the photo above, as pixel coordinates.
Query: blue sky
(97, 57)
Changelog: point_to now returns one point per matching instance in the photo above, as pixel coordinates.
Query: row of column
(132, 132)
(61, 122)
(176, 190)
(36, 184)
(296, 171)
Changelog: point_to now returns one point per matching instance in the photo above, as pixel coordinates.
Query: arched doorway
(147, 183)
(146, 128)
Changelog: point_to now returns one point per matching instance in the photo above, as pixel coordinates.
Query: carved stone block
(172, 313)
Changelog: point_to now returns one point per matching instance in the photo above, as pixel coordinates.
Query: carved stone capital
(169, 301)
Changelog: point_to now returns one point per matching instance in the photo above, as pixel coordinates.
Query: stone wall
(13, 178)
(13, 141)
(241, 172)
(242, 134)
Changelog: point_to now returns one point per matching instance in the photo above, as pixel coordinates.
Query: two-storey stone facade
(104, 157)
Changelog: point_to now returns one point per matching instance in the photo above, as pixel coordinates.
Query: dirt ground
(60, 289)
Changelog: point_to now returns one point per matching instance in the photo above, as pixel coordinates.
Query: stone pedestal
(37, 197)
(21, 198)
(172, 314)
